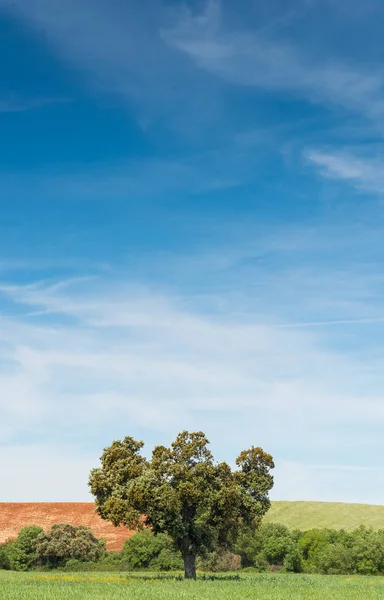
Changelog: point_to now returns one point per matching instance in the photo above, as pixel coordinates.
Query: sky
(191, 237)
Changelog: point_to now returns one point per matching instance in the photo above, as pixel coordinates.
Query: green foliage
(293, 561)
(367, 548)
(263, 548)
(324, 551)
(337, 552)
(270, 545)
(167, 560)
(182, 492)
(64, 542)
(5, 562)
(334, 559)
(146, 550)
(220, 561)
(21, 553)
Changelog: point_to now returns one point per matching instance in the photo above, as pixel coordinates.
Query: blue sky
(191, 237)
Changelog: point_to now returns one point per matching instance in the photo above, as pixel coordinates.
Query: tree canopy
(64, 542)
(183, 492)
(148, 551)
(22, 551)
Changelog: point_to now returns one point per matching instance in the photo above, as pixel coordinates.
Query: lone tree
(181, 491)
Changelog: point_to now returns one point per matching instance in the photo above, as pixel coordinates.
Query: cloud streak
(232, 297)
(124, 359)
(251, 59)
(364, 174)
(152, 62)
(118, 50)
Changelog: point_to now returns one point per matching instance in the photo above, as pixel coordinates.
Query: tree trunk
(189, 565)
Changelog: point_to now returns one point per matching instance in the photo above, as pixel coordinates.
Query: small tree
(5, 562)
(181, 491)
(22, 551)
(271, 545)
(64, 542)
(146, 550)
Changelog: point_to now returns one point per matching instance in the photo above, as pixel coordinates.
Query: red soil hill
(16, 515)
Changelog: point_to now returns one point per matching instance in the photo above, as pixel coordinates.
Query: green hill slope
(333, 515)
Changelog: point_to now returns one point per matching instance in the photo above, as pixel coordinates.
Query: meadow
(49, 586)
(331, 515)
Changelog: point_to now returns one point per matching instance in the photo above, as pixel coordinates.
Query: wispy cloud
(126, 358)
(254, 60)
(118, 49)
(361, 321)
(364, 174)
(104, 42)
(255, 315)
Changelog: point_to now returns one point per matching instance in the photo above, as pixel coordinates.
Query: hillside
(334, 515)
(295, 515)
(14, 516)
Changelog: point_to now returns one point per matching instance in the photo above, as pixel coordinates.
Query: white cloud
(362, 173)
(251, 59)
(103, 360)
(121, 50)
(268, 356)
(117, 48)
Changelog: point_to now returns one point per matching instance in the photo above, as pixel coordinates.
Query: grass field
(334, 515)
(34, 586)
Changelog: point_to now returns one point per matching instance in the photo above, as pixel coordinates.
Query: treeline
(270, 547)
(324, 551)
(36, 548)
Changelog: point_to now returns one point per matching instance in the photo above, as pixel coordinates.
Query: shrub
(367, 550)
(22, 551)
(64, 542)
(335, 559)
(5, 562)
(293, 561)
(147, 550)
(167, 560)
(220, 561)
(267, 546)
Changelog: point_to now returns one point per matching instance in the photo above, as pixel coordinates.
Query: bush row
(323, 551)
(270, 547)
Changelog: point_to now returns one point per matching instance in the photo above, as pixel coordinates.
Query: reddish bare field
(16, 515)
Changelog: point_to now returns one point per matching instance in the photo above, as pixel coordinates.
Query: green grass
(100, 586)
(333, 515)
